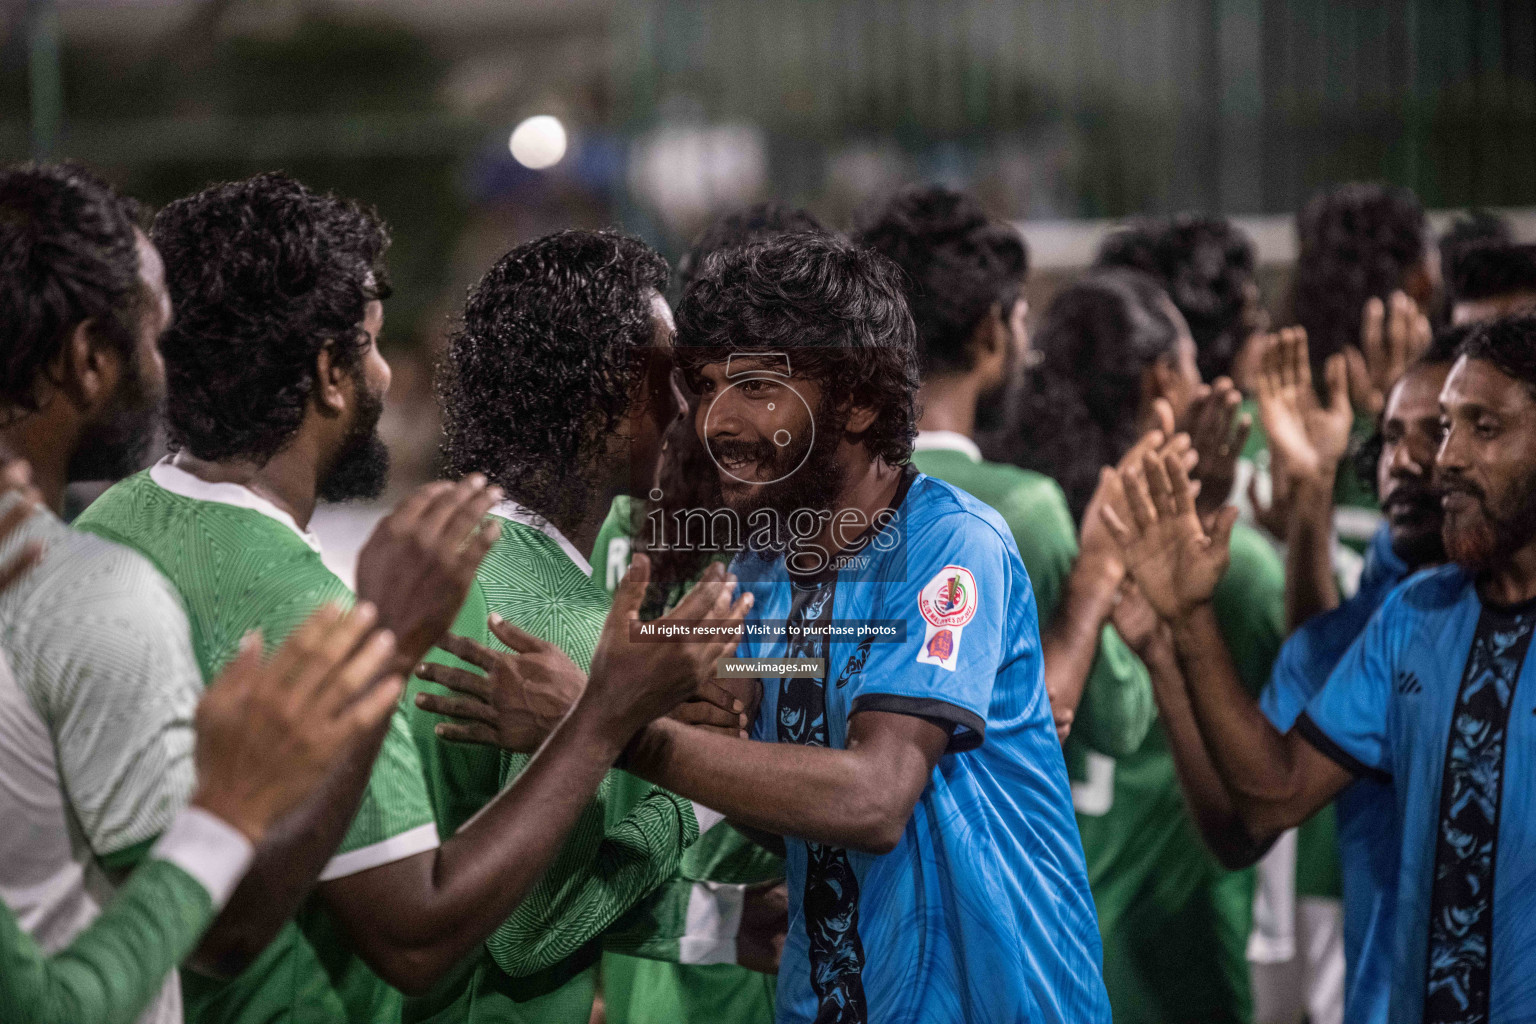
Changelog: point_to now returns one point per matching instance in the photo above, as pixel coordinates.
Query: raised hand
(1218, 431)
(1306, 438)
(1392, 336)
(1167, 551)
(269, 731)
(420, 560)
(637, 680)
(516, 703)
(1095, 545)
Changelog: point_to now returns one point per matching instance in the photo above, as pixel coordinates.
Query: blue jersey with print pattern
(1430, 700)
(1367, 814)
(982, 912)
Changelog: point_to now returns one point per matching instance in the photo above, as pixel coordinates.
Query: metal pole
(46, 85)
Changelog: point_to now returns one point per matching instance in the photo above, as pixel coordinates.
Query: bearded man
(1427, 701)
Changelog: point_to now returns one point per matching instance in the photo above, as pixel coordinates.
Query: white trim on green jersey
(946, 441)
(98, 687)
(215, 853)
(512, 512)
(409, 843)
(178, 481)
(419, 839)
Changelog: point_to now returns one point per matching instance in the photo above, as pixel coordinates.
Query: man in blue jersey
(1426, 701)
(1401, 457)
(911, 761)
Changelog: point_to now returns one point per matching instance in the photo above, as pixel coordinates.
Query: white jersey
(98, 686)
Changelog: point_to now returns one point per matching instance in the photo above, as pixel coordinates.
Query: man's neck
(578, 521)
(1514, 581)
(48, 443)
(948, 402)
(288, 480)
(580, 529)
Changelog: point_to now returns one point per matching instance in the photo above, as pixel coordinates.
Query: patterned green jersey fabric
(664, 983)
(540, 964)
(110, 971)
(1174, 922)
(239, 566)
(1117, 708)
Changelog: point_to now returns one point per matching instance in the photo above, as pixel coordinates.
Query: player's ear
(861, 417)
(330, 382)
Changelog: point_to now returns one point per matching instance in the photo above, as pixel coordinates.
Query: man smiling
(1427, 701)
(935, 873)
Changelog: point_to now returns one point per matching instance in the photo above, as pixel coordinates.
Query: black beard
(1478, 540)
(1418, 541)
(362, 469)
(118, 442)
(814, 486)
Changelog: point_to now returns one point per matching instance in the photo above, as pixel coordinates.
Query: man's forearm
(1071, 641)
(1252, 758)
(414, 919)
(1309, 584)
(1204, 791)
(287, 863)
(821, 794)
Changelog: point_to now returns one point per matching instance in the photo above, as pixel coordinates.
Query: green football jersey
(240, 564)
(662, 986)
(1117, 708)
(1175, 923)
(540, 965)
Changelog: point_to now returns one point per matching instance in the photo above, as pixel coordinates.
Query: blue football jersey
(1434, 699)
(982, 912)
(1367, 812)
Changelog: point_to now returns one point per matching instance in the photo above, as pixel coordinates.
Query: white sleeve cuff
(215, 853)
(714, 919)
(706, 818)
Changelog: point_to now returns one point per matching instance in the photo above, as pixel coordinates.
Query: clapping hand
(1218, 431)
(1167, 550)
(1392, 336)
(1306, 438)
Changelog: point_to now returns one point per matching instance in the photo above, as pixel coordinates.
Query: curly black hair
(1206, 265)
(748, 224)
(1509, 343)
(839, 307)
(1355, 241)
(1081, 401)
(544, 361)
(263, 274)
(68, 254)
(958, 262)
(1489, 270)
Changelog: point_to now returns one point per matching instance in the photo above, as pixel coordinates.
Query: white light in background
(538, 142)
(688, 172)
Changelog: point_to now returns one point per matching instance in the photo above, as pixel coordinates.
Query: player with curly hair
(557, 385)
(672, 528)
(275, 384)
